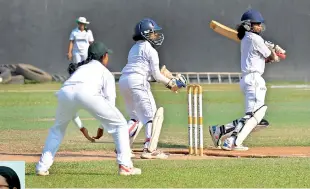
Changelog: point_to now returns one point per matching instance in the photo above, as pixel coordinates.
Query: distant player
(80, 39)
(143, 64)
(92, 88)
(254, 53)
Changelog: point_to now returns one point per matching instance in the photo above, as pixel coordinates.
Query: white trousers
(138, 97)
(71, 98)
(254, 90)
(79, 56)
(76, 119)
(139, 100)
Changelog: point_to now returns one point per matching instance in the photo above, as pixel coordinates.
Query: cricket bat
(232, 34)
(224, 30)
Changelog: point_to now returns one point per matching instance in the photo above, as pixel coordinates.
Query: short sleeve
(71, 38)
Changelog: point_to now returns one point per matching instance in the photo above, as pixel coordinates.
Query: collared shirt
(81, 39)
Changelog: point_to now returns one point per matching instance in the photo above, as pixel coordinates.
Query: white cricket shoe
(126, 171)
(229, 144)
(42, 173)
(153, 155)
(216, 135)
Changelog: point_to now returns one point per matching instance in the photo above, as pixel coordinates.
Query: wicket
(194, 99)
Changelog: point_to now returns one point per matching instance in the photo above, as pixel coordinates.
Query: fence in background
(204, 77)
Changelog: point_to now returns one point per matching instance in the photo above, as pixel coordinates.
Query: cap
(97, 49)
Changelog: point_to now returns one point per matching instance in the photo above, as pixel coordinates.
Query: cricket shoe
(229, 145)
(146, 154)
(134, 129)
(264, 122)
(216, 134)
(262, 125)
(126, 171)
(42, 173)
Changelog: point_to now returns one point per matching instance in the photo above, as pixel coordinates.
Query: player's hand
(182, 78)
(99, 134)
(72, 68)
(175, 84)
(69, 56)
(275, 47)
(278, 57)
(166, 72)
(86, 135)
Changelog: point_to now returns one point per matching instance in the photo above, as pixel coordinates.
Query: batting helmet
(146, 27)
(253, 16)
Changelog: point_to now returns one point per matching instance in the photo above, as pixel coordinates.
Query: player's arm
(267, 53)
(173, 84)
(70, 47)
(273, 57)
(154, 66)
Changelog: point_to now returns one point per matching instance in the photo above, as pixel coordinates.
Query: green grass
(23, 128)
(232, 173)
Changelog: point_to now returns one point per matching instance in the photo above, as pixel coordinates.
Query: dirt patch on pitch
(175, 154)
(258, 152)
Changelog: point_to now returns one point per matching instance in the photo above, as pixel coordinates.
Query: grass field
(26, 113)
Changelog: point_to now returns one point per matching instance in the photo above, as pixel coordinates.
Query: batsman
(143, 66)
(255, 53)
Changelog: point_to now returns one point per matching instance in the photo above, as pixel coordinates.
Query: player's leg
(76, 57)
(220, 132)
(84, 56)
(134, 125)
(78, 123)
(114, 123)
(65, 110)
(254, 88)
(146, 109)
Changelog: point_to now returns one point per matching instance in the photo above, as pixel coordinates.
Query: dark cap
(97, 49)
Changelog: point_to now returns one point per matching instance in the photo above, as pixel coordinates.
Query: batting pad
(250, 125)
(156, 129)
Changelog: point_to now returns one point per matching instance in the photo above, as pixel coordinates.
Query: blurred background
(37, 32)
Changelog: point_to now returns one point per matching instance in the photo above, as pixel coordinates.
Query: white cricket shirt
(253, 53)
(143, 59)
(81, 40)
(96, 78)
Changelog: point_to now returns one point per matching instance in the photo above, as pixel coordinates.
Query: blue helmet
(253, 16)
(146, 27)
